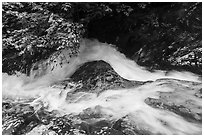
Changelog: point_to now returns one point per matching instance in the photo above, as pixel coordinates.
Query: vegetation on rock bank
(156, 35)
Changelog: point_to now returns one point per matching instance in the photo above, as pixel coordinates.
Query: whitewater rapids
(114, 103)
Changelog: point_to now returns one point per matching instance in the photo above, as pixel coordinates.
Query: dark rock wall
(157, 35)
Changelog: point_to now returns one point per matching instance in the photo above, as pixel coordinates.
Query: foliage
(157, 35)
(32, 32)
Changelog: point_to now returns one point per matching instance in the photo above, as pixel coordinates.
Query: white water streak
(115, 103)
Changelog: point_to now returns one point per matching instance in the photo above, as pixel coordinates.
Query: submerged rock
(184, 99)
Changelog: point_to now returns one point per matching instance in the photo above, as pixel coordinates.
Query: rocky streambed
(182, 99)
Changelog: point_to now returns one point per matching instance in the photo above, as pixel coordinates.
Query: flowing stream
(114, 103)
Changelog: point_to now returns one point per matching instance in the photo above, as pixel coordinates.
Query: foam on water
(115, 103)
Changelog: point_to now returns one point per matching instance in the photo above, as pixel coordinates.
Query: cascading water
(113, 104)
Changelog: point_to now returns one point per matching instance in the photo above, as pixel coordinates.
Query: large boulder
(97, 76)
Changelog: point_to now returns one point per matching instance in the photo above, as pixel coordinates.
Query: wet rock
(41, 130)
(18, 119)
(184, 99)
(94, 77)
(61, 126)
(91, 113)
(55, 61)
(199, 93)
(127, 127)
(97, 76)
